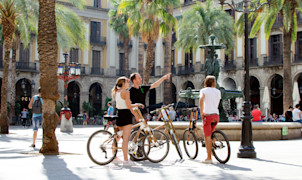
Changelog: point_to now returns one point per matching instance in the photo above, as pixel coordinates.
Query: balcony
(121, 44)
(120, 72)
(26, 66)
(254, 62)
(173, 70)
(97, 71)
(99, 41)
(185, 70)
(229, 65)
(83, 71)
(273, 60)
(298, 58)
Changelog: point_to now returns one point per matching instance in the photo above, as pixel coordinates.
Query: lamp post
(246, 149)
(66, 73)
(33, 84)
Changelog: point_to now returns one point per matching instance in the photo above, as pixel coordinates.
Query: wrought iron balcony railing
(273, 60)
(254, 62)
(298, 58)
(28, 66)
(229, 65)
(101, 41)
(185, 70)
(97, 71)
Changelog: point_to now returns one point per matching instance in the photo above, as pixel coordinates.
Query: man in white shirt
(297, 113)
(208, 102)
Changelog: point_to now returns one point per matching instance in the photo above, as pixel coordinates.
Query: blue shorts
(36, 122)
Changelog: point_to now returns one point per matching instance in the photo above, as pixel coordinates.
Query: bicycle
(168, 127)
(191, 137)
(102, 145)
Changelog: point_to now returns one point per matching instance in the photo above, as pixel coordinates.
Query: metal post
(65, 79)
(246, 149)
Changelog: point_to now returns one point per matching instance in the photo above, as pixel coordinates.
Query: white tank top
(120, 103)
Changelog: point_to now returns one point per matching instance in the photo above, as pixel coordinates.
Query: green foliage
(17, 108)
(59, 106)
(202, 21)
(87, 107)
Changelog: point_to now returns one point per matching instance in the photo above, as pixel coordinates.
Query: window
(24, 53)
(95, 32)
(97, 3)
(275, 48)
(96, 59)
(74, 55)
(189, 59)
(299, 44)
(122, 64)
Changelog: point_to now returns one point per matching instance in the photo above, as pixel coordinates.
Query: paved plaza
(275, 160)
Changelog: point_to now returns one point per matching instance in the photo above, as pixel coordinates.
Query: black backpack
(37, 106)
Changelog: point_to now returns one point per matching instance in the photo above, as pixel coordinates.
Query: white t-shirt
(296, 114)
(211, 100)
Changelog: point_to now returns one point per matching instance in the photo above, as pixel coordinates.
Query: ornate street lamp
(246, 149)
(66, 73)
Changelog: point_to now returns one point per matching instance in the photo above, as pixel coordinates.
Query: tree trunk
(126, 49)
(13, 80)
(168, 83)
(48, 51)
(141, 50)
(149, 60)
(287, 71)
(8, 31)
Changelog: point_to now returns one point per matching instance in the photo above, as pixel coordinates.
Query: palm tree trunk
(168, 84)
(149, 61)
(126, 49)
(13, 80)
(287, 71)
(141, 56)
(48, 50)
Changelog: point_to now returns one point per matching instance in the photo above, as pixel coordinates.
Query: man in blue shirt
(110, 112)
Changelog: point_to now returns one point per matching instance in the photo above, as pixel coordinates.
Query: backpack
(37, 106)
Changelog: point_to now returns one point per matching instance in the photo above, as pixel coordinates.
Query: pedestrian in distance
(256, 113)
(289, 114)
(110, 112)
(85, 118)
(209, 99)
(35, 104)
(297, 114)
(24, 116)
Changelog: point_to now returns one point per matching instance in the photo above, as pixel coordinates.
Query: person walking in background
(209, 99)
(24, 116)
(289, 114)
(35, 104)
(172, 113)
(256, 113)
(297, 114)
(110, 112)
(85, 118)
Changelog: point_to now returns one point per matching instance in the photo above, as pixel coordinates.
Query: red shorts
(209, 124)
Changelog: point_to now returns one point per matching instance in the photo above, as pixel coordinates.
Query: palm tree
(202, 21)
(48, 52)
(118, 22)
(267, 16)
(150, 18)
(8, 16)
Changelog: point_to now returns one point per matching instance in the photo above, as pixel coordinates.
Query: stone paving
(275, 160)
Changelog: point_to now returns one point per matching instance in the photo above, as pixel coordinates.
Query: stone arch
(95, 98)
(186, 85)
(276, 92)
(229, 84)
(23, 92)
(254, 90)
(73, 97)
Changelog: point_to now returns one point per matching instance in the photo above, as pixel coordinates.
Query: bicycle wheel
(176, 144)
(101, 147)
(190, 144)
(221, 146)
(135, 149)
(156, 151)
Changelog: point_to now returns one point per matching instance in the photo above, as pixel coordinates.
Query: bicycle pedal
(203, 144)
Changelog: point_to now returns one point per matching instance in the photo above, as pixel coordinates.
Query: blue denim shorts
(36, 122)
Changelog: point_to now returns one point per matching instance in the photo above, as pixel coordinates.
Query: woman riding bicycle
(124, 112)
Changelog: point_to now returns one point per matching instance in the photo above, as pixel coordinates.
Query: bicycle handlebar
(159, 109)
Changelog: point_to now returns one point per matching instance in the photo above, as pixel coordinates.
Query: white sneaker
(207, 161)
(117, 160)
(128, 163)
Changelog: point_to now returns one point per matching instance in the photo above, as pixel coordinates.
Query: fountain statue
(212, 68)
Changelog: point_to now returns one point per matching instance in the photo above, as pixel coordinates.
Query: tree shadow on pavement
(276, 162)
(56, 168)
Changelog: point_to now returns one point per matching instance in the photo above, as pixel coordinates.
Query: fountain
(212, 68)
